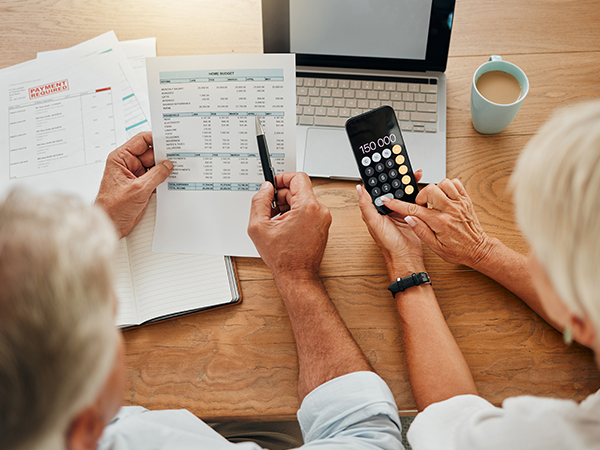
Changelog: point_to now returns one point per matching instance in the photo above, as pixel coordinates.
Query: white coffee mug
(489, 117)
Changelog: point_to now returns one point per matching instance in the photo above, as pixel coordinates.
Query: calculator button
(379, 200)
(409, 189)
(389, 163)
(379, 167)
(406, 179)
(366, 161)
(393, 173)
(403, 170)
(376, 157)
(399, 193)
(396, 184)
(386, 153)
(399, 159)
(383, 177)
(386, 188)
(369, 171)
(375, 192)
(396, 149)
(372, 181)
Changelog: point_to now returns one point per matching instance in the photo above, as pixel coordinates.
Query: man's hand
(129, 179)
(293, 243)
(400, 247)
(443, 217)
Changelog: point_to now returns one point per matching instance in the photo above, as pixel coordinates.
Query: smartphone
(380, 153)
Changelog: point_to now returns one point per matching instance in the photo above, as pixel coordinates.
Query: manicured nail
(410, 221)
(359, 190)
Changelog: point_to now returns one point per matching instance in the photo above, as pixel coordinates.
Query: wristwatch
(413, 280)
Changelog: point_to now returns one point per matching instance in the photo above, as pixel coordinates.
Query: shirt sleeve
(468, 422)
(354, 411)
(136, 428)
(437, 426)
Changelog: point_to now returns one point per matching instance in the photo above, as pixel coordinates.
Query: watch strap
(412, 280)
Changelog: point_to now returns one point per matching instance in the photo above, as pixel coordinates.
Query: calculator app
(381, 156)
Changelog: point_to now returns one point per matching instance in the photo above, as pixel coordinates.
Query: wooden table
(240, 362)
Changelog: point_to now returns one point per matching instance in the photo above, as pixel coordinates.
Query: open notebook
(155, 286)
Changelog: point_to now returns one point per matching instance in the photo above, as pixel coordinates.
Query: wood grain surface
(240, 362)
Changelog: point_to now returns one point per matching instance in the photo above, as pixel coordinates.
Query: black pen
(265, 158)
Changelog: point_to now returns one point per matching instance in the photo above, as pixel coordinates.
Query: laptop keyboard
(326, 100)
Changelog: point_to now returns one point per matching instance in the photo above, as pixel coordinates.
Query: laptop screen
(394, 28)
(407, 35)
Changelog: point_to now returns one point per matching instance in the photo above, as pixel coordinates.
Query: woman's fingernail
(359, 190)
(410, 221)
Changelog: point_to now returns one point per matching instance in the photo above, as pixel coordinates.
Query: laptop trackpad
(328, 154)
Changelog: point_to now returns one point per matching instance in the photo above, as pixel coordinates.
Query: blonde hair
(557, 197)
(57, 334)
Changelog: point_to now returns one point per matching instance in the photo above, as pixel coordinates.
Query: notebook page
(168, 283)
(126, 314)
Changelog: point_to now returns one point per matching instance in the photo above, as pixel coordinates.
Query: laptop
(355, 55)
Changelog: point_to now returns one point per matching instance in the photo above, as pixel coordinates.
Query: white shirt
(355, 411)
(468, 422)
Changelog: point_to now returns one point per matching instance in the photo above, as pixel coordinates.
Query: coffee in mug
(499, 87)
(497, 93)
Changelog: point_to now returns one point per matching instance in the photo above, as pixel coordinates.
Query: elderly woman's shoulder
(535, 423)
(469, 422)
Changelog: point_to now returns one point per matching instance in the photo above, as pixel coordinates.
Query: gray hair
(57, 334)
(557, 196)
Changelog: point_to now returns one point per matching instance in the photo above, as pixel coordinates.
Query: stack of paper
(68, 109)
(65, 112)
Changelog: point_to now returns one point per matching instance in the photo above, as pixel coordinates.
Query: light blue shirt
(354, 411)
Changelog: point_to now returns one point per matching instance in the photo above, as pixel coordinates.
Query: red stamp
(47, 89)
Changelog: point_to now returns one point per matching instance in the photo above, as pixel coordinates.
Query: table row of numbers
(220, 167)
(214, 186)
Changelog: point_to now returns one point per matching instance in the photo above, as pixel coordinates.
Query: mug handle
(495, 58)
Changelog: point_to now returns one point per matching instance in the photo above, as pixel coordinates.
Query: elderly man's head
(60, 354)
(557, 197)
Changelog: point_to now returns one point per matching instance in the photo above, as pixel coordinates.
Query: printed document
(137, 51)
(202, 110)
(134, 96)
(61, 122)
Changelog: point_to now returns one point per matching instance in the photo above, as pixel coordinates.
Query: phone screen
(381, 156)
